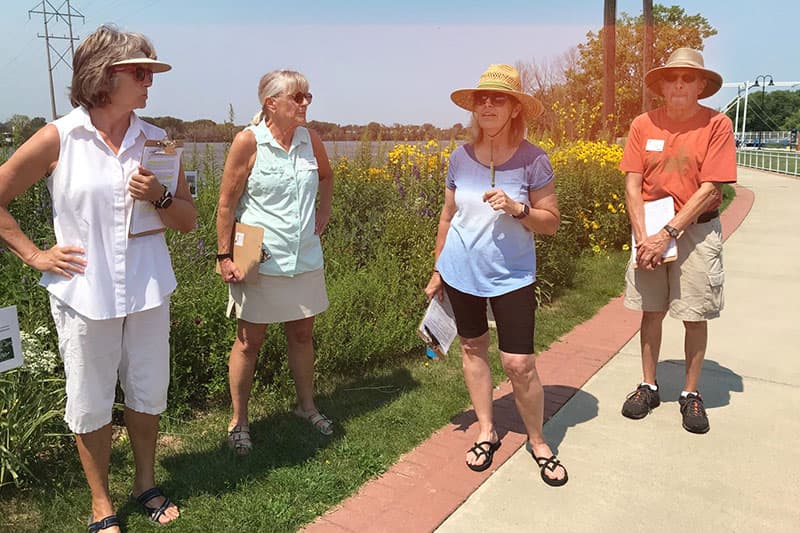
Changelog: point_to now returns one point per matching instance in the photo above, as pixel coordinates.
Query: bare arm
(238, 165)
(544, 216)
(434, 287)
(181, 215)
(323, 214)
(34, 159)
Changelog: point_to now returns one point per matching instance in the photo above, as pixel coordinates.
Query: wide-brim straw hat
(152, 64)
(501, 79)
(684, 58)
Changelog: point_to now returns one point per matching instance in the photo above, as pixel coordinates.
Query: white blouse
(91, 209)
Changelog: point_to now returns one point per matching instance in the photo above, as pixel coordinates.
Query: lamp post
(763, 78)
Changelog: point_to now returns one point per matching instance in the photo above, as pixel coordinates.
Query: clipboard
(246, 249)
(162, 158)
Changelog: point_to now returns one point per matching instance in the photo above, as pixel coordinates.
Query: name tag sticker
(654, 145)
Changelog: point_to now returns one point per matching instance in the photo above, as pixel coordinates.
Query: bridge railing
(781, 161)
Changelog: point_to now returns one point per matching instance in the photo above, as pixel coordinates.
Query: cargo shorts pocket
(714, 300)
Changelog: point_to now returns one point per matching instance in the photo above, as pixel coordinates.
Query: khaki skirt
(276, 299)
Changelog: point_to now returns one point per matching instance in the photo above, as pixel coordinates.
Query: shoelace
(694, 404)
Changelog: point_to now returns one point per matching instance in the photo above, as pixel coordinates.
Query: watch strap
(525, 210)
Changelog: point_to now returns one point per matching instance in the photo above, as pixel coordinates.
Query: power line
(50, 16)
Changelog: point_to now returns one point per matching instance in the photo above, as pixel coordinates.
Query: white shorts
(95, 352)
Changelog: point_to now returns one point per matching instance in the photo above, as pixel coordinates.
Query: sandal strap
(152, 511)
(239, 437)
(550, 463)
(107, 522)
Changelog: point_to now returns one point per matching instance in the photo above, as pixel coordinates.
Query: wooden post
(647, 51)
(609, 61)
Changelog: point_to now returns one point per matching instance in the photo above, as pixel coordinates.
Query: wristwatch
(524, 213)
(222, 257)
(165, 201)
(673, 232)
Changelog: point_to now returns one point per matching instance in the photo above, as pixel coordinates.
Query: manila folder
(246, 249)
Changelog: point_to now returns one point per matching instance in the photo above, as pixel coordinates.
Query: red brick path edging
(430, 482)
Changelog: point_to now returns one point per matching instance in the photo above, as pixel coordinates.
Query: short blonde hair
(92, 79)
(273, 84)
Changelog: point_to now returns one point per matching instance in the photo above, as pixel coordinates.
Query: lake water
(335, 149)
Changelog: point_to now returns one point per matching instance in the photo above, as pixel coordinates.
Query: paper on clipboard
(246, 249)
(438, 326)
(657, 214)
(162, 158)
(10, 343)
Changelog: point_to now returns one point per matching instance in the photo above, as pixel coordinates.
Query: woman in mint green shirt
(274, 174)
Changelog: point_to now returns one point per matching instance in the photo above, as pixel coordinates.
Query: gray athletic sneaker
(695, 419)
(640, 402)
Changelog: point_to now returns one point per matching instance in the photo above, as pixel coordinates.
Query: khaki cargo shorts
(690, 287)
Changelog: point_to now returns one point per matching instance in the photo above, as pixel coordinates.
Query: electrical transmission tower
(64, 14)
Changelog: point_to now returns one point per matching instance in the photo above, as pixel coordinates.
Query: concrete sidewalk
(650, 474)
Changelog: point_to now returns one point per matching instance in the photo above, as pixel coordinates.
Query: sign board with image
(10, 345)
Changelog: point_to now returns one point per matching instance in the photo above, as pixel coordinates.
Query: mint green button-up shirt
(280, 197)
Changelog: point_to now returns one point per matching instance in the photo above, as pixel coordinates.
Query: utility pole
(647, 51)
(609, 61)
(49, 13)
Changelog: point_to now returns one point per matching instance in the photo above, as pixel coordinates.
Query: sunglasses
(497, 99)
(673, 77)
(299, 97)
(139, 73)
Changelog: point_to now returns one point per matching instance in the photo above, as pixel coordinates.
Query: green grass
(728, 194)
(294, 474)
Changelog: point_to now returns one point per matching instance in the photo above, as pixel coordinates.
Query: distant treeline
(210, 131)
(20, 127)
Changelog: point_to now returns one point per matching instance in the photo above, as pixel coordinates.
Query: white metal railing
(781, 161)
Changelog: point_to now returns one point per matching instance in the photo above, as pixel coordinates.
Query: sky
(366, 60)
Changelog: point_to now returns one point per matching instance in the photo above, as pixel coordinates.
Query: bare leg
(241, 367)
(143, 432)
(299, 336)
(478, 376)
(529, 397)
(94, 450)
(651, 344)
(694, 346)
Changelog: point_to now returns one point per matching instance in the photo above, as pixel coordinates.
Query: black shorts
(514, 314)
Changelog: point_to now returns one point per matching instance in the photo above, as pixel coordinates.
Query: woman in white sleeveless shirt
(109, 292)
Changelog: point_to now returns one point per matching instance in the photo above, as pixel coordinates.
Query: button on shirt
(280, 197)
(91, 209)
(486, 252)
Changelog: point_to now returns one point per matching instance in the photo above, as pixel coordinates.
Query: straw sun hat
(685, 58)
(501, 79)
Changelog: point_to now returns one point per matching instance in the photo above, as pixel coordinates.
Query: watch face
(166, 202)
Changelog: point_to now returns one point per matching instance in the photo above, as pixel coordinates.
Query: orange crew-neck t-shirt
(675, 157)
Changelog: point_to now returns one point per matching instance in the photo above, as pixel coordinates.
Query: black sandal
(107, 522)
(480, 449)
(550, 464)
(151, 511)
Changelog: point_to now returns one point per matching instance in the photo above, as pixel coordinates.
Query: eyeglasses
(139, 73)
(497, 99)
(673, 77)
(299, 97)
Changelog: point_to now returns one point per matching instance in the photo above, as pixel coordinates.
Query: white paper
(10, 345)
(166, 167)
(658, 214)
(654, 145)
(438, 326)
